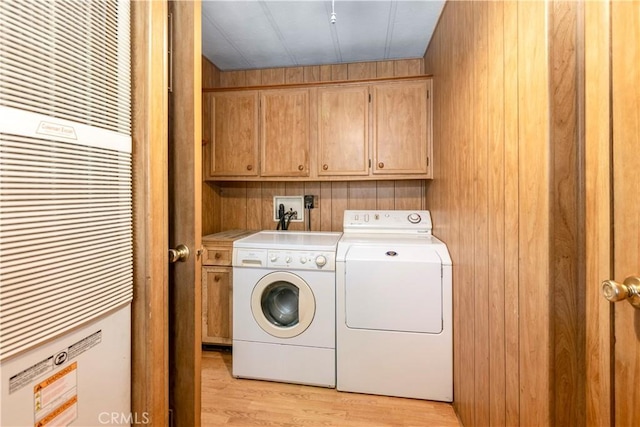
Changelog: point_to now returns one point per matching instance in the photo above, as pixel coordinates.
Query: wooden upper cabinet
(285, 132)
(401, 127)
(343, 130)
(233, 128)
(361, 130)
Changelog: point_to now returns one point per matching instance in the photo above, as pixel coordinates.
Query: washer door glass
(280, 304)
(283, 304)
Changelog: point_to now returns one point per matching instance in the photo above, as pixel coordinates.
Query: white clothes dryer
(284, 307)
(393, 307)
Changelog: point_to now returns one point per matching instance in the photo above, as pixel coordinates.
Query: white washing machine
(394, 307)
(284, 307)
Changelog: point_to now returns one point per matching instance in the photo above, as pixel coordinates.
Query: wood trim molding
(315, 84)
(149, 381)
(599, 393)
(185, 210)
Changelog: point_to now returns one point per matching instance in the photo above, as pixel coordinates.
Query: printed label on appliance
(84, 344)
(56, 398)
(53, 129)
(25, 377)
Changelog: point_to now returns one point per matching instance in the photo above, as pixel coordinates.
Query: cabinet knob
(381, 165)
(325, 167)
(217, 255)
(300, 167)
(249, 167)
(216, 278)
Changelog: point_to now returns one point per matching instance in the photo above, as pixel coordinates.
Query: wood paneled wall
(210, 74)
(506, 198)
(321, 73)
(250, 205)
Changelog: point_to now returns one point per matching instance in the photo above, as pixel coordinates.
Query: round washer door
(283, 304)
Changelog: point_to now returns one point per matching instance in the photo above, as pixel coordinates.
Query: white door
(394, 288)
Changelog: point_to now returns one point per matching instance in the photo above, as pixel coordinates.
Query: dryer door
(283, 304)
(394, 288)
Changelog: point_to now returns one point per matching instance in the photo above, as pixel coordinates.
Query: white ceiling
(240, 35)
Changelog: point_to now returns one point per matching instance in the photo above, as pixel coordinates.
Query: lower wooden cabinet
(217, 303)
(217, 286)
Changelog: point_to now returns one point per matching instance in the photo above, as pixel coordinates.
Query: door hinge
(369, 163)
(427, 94)
(427, 162)
(170, 53)
(369, 97)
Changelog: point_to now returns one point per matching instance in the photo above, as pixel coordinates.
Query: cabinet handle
(300, 167)
(381, 165)
(249, 167)
(325, 167)
(216, 278)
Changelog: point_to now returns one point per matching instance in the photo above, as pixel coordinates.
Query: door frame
(598, 196)
(150, 377)
(150, 355)
(185, 211)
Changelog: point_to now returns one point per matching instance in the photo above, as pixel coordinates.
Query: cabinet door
(217, 305)
(343, 130)
(401, 128)
(285, 132)
(234, 133)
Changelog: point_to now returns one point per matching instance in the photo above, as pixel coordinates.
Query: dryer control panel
(393, 221)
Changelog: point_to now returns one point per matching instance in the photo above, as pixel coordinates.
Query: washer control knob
(274, 258)
(287, 259)
(303, 260)
(321, 260)
(414, 218)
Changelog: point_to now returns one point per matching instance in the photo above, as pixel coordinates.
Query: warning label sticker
(25, 377)
(56, 398)
(84, 344)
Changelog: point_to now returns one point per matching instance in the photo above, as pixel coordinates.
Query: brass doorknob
(325, 167)
(629, 290)
(381, 165)
(249, 167)
(180, 253)
(300, 167)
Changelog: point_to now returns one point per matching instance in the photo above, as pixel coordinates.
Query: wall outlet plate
(295, 203)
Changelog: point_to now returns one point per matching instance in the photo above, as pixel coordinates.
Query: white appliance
(394, 307)
(66, 264)
(284, 307)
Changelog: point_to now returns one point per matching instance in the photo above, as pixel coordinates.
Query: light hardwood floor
(227, 401)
